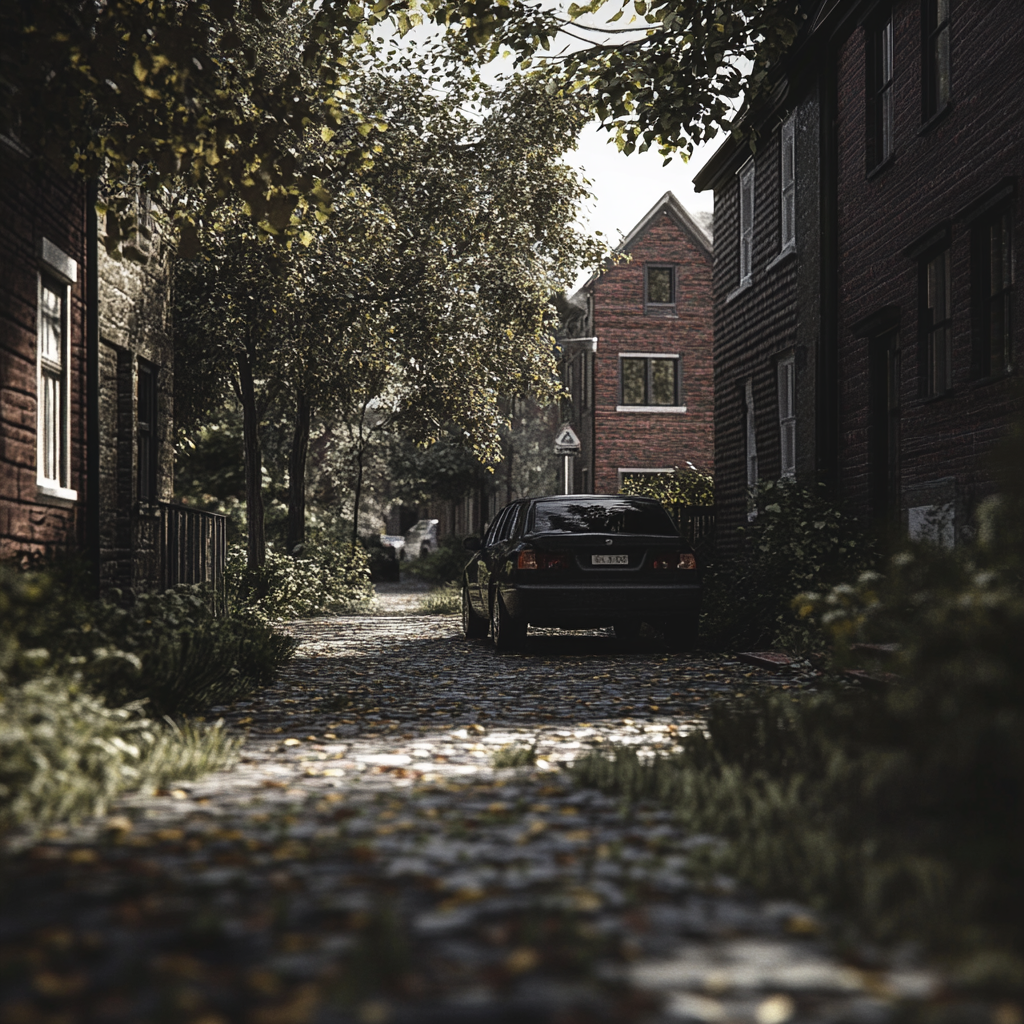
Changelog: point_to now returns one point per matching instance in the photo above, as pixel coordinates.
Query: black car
(581, 562)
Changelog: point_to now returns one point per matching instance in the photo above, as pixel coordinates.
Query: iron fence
(193, 549)
(696, 525)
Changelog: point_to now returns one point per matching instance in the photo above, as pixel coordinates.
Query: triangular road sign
(566, 441)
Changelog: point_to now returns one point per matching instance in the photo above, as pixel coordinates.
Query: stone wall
(134, 324)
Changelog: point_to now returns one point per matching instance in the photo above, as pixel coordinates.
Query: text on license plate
(609, 559)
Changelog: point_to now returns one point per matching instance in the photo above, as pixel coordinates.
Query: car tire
(681, 634)
(473, 626)
(507, 633)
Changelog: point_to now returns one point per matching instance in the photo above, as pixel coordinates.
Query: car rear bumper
(600, 604)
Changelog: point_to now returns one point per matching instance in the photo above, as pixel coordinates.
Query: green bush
(689, 487)
(445, 565)
(797, 540)
(899, 803)
(67, 664)
(327, 581)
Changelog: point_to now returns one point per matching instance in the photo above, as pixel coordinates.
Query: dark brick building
(637, 355)
(86, 371)
(866, 320)
(44, 270)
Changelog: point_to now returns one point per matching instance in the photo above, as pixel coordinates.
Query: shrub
(689, 487)
(445, 565)
(899, 803)
(797, 540)
(328, 581)
(66, 747)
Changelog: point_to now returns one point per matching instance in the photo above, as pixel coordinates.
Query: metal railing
(696, 525)
(193, 549)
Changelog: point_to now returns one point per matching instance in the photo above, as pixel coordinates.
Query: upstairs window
(787, 179)
(936, 324)
(936, 64)
(746, 189)
(660, 290)
(649, 381)
(146, 434)
(879, 93)
(992, 287)
(786, 371)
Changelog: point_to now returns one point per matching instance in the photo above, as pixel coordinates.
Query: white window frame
(786, 375)
(787, 183)
(53, 439)
(751, 435)
(746, 219)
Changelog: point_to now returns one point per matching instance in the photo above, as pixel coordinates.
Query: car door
(477, 575)
(490, 555)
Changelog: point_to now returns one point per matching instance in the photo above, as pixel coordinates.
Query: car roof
(594, 497)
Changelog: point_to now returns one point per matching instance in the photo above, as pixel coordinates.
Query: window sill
(669, 311)
(53, 494)
(739, 289)
(651, 408)
(936, 118)
(782, 256)
(992, 378)
(932, 399)
(881, 168)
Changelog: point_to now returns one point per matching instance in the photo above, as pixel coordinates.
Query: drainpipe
(92, 387)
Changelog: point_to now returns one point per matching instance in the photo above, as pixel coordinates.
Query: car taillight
(530, 559)
(673, 560)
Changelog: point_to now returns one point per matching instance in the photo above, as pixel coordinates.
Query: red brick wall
(33, 205)
(654, 440)
(934, 176)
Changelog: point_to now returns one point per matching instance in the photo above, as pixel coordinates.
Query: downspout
(92, 387)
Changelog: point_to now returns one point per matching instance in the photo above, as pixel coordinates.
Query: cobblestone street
(366, 861)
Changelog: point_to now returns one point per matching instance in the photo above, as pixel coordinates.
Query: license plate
(609, 559)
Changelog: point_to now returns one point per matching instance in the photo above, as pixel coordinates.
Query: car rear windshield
(612, 515)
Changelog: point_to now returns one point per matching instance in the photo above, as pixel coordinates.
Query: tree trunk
(359, 491)
(297, 474)
(257, 544)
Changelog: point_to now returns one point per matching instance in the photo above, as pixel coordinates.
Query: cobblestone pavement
(364, 861)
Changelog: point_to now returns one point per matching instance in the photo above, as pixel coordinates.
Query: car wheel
(681, 634)
(474, 626)
(507, 633)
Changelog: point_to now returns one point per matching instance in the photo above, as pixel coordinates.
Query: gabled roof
(698, 226)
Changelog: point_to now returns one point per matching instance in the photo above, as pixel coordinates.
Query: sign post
(568, 445)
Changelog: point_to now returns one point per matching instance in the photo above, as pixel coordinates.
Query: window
(787, 179)
(751, 433)
(992, 284)
(936, 87)
(661, 286)
(746, 178)
(649, 382)
(588, 379)
(936, 319)
(52, 414)
(786, 370)
(146, 435)
(879, 93)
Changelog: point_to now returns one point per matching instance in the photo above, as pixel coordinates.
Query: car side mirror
(472, 543)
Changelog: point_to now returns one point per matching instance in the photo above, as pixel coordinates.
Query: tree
(143, 92)
(422, 301)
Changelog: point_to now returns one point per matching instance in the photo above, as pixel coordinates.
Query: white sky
(626, 187)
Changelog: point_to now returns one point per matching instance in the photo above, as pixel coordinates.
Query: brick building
(44, 272)
(636, 345)
(86, 395)
(865, 313)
